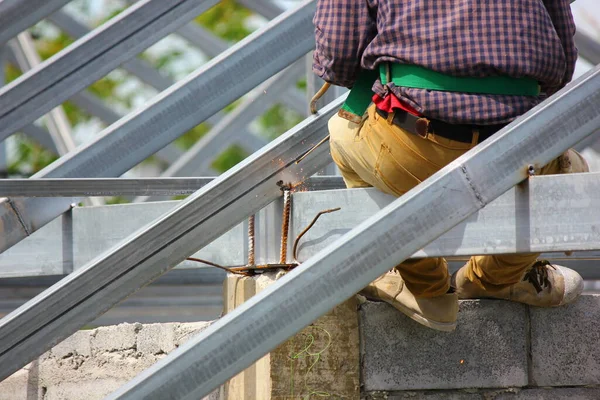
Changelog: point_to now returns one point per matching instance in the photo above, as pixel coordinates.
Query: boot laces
(538, 275)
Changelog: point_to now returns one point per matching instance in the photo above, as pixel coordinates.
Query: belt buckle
(422, 127)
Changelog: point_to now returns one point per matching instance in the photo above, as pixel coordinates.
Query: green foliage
(226, 20)
(188, 139)
(230, 157)
(31, 157)
(277, 120)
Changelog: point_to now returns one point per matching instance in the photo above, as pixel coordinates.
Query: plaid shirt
(518, 38)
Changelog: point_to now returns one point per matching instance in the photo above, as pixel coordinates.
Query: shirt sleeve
(562, 19)
(343, 29)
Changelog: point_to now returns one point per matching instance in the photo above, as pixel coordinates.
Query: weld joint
(21, 220)
(472, 186)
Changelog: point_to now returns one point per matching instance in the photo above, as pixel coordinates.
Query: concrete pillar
(320, 361)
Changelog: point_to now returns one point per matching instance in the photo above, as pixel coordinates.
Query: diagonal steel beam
(94, 106)
(588, 47)
(56, 120)
(196, 161)
(194, 223)
(460, 189)
(186, 104)
(92, 57)
(146, 73)
(18, 15)
(212, 46)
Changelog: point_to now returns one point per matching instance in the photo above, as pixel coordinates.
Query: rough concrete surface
(499, 394)
(91, 364)
(565, 344)
(487, 350)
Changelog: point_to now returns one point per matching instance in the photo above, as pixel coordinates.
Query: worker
(430, 80)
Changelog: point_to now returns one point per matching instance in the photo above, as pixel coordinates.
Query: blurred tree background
(123, 92)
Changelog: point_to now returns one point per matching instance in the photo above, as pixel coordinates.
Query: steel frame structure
(329, 275)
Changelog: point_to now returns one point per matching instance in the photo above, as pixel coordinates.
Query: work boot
(438, 313)
(543, 285)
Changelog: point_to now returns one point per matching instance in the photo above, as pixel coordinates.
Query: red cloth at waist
(391, 102)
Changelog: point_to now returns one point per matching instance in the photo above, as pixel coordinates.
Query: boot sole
(438, 326)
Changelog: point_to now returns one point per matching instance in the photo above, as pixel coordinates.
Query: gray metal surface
(588, 47)
(194, 223)
(392, 235)
(39, 135)
(18, 15)
(145, 72)
(564, 220)
(197, 160)
(84, 187)
(548, 214)
(56, 120)
(68, 243)
(92, 57)
(162, 120)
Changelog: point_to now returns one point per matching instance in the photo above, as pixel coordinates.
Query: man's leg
(521, 277)
(382, 155)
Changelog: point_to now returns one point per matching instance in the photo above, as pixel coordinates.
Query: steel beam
(88, 292)
(180, 108)
(56, 120)
(212, 46)
(84, 187)
(524, 219)
(588, 47)
(18, 15)
(196, 161)
(94, 106)
(142, 70)
(460, 189)
(92, 57)
(40, 136)
(265, 8)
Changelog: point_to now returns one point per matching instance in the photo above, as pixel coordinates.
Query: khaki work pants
(380, 154)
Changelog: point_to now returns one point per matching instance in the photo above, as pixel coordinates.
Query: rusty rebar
(294, 251)
(317, 96)
(251, 242)
(212, 264)
(285, 224)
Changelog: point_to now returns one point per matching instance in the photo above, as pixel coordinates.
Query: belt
(414, 76)
(423, 126)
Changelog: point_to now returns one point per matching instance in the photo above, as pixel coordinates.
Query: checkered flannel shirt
(518, 38)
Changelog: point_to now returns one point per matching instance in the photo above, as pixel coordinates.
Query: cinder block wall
(91, 364)
(500, 351)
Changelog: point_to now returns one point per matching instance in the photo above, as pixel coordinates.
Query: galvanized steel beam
(56, 120)
(145, 72)
(460, 189)
(88, 292)
(196, 161)
(180, 108)
(551, 214)
(90, 58)
(18, 15)
(588, 47)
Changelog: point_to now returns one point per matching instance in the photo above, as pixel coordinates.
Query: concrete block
(551, 394)
(115, 338)
(487, 350)
(320, 361)
(17, 387)
(156, 339)
(77, 344)
(185, 331)
(498, 394)
(428, 395)
(96, 389)
(565, 342)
